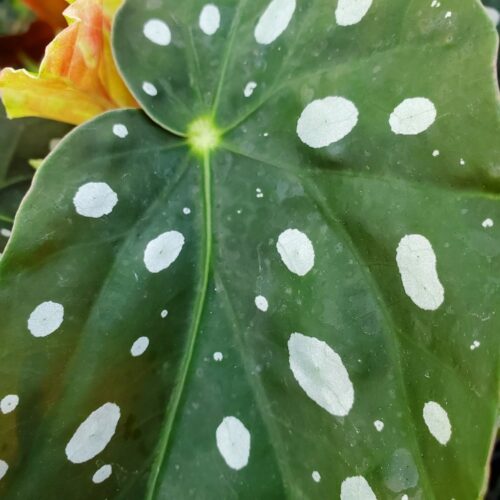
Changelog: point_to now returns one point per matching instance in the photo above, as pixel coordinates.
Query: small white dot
(102, 474)
(9, 403)
(316, 476)
(379, 425)
(6, 233)
(487, 223)
(261, 303)
(249, 88)
(475, 345)
(447, 15)
(404, 497)
(149, 89)
(139, 346)
(218, 356)
(120, 130)
(462, 161)
(186, 210)
(435, 153)
(164, 313)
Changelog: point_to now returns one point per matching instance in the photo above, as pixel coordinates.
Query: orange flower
(78, 78)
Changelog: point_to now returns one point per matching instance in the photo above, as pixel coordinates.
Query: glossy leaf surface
(299, 332)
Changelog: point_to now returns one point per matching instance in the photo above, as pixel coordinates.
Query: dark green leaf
(230, 313)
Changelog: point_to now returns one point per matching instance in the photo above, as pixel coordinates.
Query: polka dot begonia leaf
(277, 280)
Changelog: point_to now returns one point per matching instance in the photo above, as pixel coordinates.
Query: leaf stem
(174, 402)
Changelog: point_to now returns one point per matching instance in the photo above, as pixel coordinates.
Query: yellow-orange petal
(78, 78)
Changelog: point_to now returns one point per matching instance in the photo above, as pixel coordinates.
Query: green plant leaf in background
(15, 17)
(281, 280)
(21, 141)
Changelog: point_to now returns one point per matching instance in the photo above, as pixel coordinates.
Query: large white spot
(157, 32)
(9, 403)
(95, 199)
(4, 467)
(413, 116)
(296, 251)
(261, 303)
(120, 130)
(45, 319)
(149, 89)
(356, 488)
(209, 19)
(139, 346)
(325, 121)
(320, 372)
(274, 21)
(437, 421)
(417, 265)
(233, 442)
(102, 474)
(316, 476)
(218, 356)
(379, 425)
(93, 434)
(163, 251)
(350, 12)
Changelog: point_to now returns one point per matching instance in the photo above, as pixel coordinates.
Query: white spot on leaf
(249, 88)
(413, 116)
(325, 121)
(209, 19)
(274, 21)
(161, 252)
(435, 153)
(493, 14)
(149, 89)
(356, 488)
(102, 474)
(6, 233)
(296, 251)
(186, 210)
(45, 319)
(218, 356)
(164, 313)
(475, 345)
(120, 130)
(261, 303)
(351, 12)
(158, 32)
(93, 434)
(416, 261)
(320, 372)
(379, 425)
(4, 467)
(9, 403)
(487, 223)
(437, 421)
(233, 442)
(94, 200)
(139, 346)
(316, 476)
